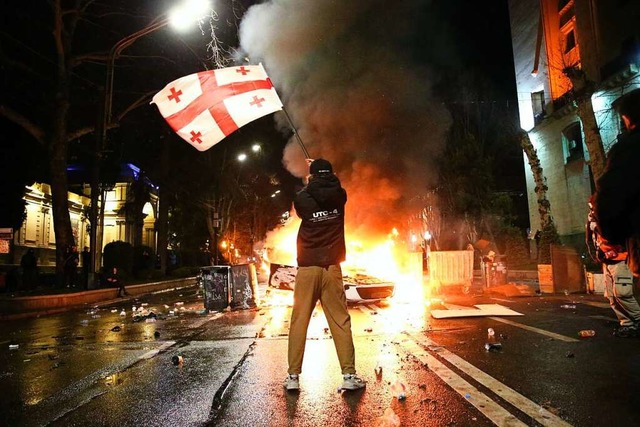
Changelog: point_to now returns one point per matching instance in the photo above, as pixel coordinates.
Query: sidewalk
(22, 305)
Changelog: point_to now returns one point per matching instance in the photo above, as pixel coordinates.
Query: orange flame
(385, 258)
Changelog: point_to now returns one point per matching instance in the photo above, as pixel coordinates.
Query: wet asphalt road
(96, 367)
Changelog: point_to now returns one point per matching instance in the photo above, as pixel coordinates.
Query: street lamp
(190, 10)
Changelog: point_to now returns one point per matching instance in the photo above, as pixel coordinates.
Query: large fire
(387, 258)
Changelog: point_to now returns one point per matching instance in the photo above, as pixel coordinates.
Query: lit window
(572, 142)
(537, 102)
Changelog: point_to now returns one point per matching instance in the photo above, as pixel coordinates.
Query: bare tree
(51, 128)
(548, 228)
(582, 90)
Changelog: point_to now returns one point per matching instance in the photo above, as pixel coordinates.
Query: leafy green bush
(143, 258)
(118, 254)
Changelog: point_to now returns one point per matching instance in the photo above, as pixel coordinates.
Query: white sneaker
(292, 382)
(352, 382)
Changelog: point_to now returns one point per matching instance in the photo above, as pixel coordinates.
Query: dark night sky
(415, 39)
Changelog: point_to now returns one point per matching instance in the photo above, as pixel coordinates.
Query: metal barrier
(451, 268)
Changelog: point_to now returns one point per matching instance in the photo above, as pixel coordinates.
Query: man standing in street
(617, 213)
(320, 249)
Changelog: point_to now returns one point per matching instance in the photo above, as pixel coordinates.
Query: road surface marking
(494, 412)
(536, 330)
(525, 405)
(149, 354)
(207, 319)
(502, 299)
(596, 304)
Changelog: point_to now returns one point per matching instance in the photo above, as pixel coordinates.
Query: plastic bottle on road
(399, 390)
(586, 333)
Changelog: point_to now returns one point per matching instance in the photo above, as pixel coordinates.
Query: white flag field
(205, 107)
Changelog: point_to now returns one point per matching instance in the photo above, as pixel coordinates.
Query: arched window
(572, 142)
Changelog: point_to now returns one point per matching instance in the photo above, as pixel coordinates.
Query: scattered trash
(26, 360)
(115, 310)
(493, 346)
(123, 313)
(388, 419)
(116, 329)
(14, 346)
(378, 371)
(133, 308)
(399, 390)
(179, 303)
(568, 306)
(177, 360)
(570, 355)
(142, 316)
(171, 312)
(368, 329)
(586, 333)
(84, 322)
(150, 320)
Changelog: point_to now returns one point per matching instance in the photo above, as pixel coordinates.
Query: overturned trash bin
(244, 286)
(215, 281)
(235, 286)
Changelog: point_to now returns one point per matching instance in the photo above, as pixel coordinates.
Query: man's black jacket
(617, 197)
(320, 205)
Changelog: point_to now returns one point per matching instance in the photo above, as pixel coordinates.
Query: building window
(572, 142)
(537, 102)
(562, 4)
(570, 41)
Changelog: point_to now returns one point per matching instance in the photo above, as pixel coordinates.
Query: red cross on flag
(205, 107)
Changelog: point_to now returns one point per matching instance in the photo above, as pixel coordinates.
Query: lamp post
(192, 7)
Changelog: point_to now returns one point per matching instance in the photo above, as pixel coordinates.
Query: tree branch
(26, 124)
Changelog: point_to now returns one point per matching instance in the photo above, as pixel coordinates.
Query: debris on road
(495, 346)
(399, 390)
(388, 419)
(14, 346)
(177, 360)
(479, 310)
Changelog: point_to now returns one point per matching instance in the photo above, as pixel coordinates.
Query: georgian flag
(204, 108)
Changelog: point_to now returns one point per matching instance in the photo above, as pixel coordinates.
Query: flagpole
(295, 132)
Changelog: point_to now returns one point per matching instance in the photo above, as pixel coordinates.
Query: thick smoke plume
(359, 94)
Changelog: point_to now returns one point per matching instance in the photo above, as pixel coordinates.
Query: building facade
(602, 39)
(119, 222)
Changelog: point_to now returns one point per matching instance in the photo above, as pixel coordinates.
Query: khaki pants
(618, 288)
(313, 284)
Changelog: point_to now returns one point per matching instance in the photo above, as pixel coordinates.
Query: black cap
(320, 166)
